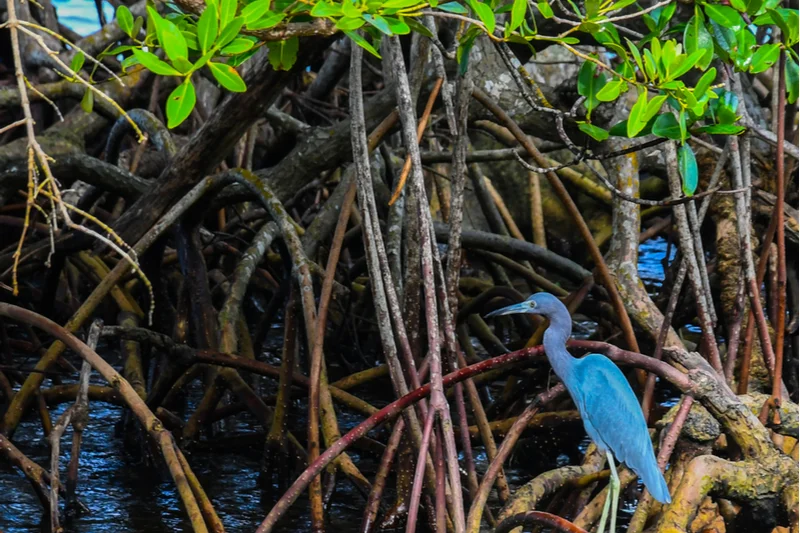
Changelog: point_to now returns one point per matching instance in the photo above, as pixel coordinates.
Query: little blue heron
(609, 408)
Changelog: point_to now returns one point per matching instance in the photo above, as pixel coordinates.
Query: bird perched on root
(608, 406)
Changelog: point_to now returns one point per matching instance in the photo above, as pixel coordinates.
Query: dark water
(124, 494)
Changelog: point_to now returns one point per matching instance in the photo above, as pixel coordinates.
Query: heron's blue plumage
(608, 406)
(614, 420)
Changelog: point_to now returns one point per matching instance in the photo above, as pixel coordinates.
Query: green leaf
(283, 54)
(154, 64)
(137, 26)
(254, 11)
(739, 5)
(667, 126)
(484, 13)
(724, 16)
(464, 48)
(191, 40)
(636, 118)
(518, 10)
(620, 129)
(779, 21)
(687, 64)
(688, 167)
(397, 26)
(765, 57)
(87, 102)
(77, 62)
(720, 129)
(230, 32)
(324, 9)
(682, 125)
(598, 134)
(696, 37)
(235, 61)
(227, 76)
(239, 45)
(350, 10)
(180, 103)
(609, 35)
(172, 41)
(637, 56)
(128, 62)
(418, 27)
(227, 12)
(611, 91)
(653, 107)
(792, 80)
(401, 4)
(379, 22)
(545, 9)
(650, 64)
(118, 50)
(663, 15)
(207, 28)
(267, 22)
(350, 23)
(705, 82)
(589, 83)
(125, 21)
(454, 7)
(362, 42)
(754, 6)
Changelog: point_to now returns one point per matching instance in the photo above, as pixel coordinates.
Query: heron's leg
(614, 490)
(604, 516)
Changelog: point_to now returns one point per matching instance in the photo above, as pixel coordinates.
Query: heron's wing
(614, 420)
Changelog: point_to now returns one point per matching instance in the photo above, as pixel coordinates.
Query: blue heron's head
(541, 303)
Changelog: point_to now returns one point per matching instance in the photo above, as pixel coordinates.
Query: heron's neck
(555, 341)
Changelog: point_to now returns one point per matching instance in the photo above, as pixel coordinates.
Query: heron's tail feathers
(654, 481)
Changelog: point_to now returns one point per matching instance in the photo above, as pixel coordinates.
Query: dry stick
(538, 517)
(61, 426)
(741, 179)
(153, 426)
(396, 408)
(416, 487)
(317, 355)
(537, 215)
(780, 323)
(450, 297)
(423, 121)
(744, 369)
(21, 400)
(688, 249)
(276, 438)
(566, 200)
(384, 296)
(647, 397)
(80, 418)
(438, 402)
(374, 500)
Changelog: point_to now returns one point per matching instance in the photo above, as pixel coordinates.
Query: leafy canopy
(656, 67)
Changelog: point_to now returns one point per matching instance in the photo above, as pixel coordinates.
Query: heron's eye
(531, 304)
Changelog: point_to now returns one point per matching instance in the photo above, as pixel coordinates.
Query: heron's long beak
(522, 307)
